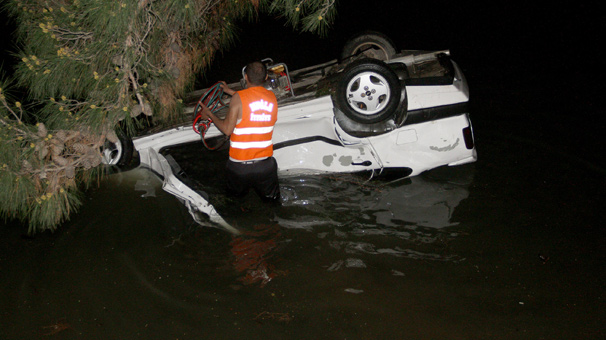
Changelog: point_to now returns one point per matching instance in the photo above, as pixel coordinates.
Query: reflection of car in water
(376, 110)
(395, 219)
(355, 218)
(426, 201)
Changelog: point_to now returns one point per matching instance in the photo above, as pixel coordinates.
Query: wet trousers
(260, 175)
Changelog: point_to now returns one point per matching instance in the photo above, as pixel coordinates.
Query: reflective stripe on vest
(251, 131)
(251, 138)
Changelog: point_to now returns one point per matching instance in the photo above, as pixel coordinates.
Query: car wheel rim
(111, 153)
(368, 93)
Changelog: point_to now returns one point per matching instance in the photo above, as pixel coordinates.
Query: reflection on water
(419, 201)
(376, 217)
(252, 251)
(349, 216)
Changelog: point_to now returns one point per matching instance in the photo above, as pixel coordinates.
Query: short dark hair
(256, 72)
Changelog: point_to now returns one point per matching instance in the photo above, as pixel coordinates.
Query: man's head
(256, 72)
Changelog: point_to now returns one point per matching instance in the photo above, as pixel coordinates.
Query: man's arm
(226, 88)
(228, 124)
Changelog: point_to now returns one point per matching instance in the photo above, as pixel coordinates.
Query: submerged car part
(118, 152)
(150, 157)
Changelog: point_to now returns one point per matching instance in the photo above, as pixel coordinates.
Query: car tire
(371, 44)
(368, 92)
(118, 154)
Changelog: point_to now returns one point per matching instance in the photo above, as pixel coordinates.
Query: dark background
(536, 67)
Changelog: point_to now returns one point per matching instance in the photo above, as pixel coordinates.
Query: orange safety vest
(251, 138)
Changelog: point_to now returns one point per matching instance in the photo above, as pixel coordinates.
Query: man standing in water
(250, 123)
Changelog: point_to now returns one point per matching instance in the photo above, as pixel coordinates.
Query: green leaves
(306, 15)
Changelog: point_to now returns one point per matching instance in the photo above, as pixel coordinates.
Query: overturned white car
(374, 110)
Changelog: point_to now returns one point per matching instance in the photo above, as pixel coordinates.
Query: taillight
(468, 137)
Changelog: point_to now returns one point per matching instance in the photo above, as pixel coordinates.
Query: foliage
(315, 16)
(38, 168)
(91, 65)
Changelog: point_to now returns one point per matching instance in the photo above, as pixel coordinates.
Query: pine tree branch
(17, 117)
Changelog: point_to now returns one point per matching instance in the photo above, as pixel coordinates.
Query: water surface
(509, 247)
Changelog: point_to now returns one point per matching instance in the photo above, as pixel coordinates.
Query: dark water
(511, 247)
